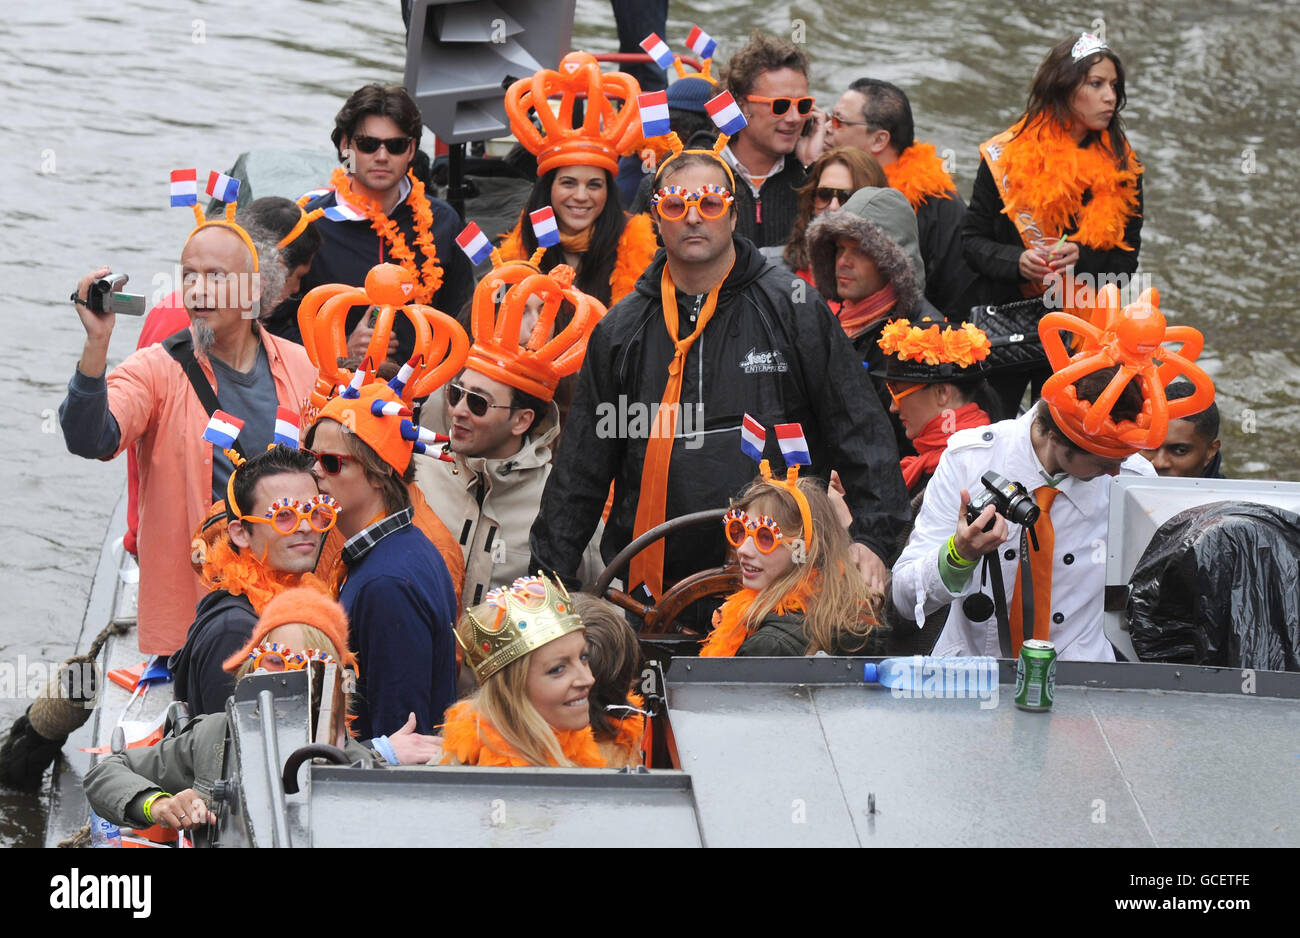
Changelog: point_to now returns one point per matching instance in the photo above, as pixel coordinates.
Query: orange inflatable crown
(605, 133)
(535, 365)
(1132, 338)
(375, 410)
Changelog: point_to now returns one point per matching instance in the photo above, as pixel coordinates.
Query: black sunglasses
(824, 194)
(396, 146)
(477, 403)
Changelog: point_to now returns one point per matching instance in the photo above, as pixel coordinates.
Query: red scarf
(933, 440)
(857, 316)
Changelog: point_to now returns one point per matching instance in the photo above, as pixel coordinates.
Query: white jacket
(1079, 520)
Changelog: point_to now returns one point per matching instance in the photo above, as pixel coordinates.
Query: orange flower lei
(468, 739)
(429, 275)
(964, 346)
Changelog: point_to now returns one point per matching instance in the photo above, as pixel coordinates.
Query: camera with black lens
(1009, 499)
(104, 297)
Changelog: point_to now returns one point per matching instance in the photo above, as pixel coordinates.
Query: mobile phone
(104, 297)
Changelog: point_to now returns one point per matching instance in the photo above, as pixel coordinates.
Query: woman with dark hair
(576, 166)
(1057, 203)
(835, 176)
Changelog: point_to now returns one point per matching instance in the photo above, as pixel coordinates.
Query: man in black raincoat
(770, 348)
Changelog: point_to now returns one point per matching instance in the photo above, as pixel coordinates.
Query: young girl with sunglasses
(134, 788)
(528, 651)
(801, 593)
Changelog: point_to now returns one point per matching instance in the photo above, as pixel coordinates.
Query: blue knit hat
(690, 93)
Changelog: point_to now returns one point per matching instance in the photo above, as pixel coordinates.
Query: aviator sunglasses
(780, 105)
(285, 514)
(478, 404)
(673, 202)
(765, 531)
(824, 195)
(395, 146)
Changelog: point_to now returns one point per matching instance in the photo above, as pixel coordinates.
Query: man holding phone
(768, 77)
(160, 398)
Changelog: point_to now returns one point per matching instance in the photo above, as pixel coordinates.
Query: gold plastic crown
(604, 133)
(515, 620)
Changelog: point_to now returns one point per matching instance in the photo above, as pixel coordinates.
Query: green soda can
(1036, 676)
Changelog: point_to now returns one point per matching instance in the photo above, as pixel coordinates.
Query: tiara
(1086, 45)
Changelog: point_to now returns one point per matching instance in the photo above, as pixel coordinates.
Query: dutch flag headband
(794, 448)
(722, 109)
(222, 188)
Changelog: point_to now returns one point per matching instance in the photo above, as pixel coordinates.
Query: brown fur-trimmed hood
(884, 225)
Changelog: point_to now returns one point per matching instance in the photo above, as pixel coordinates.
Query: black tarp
(1219, 584)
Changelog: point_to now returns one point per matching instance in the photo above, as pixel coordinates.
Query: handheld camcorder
(1009, 499)
(103, 297)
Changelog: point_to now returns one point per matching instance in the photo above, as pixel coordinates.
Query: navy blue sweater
(402, 608)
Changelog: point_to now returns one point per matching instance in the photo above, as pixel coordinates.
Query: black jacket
(763, 354)
(782, 636)
(768, 220)
(222, 624)
(948, 279)
(350, 248)
(992, 246)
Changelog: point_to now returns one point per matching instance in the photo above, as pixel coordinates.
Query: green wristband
(956, 559)
(148, 803)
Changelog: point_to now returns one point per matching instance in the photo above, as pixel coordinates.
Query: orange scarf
(577, 243)
(933, 440)
(428, 277)
(648, 566)
(636, 249)
(730, 628)
(918, 173)
(468, 739)
(244, 575)
(1043, 174)
(860, 315)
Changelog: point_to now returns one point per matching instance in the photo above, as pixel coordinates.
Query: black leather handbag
(1013, 334)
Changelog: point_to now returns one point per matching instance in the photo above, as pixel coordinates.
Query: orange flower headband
(376, 411)
(1132, 338)
(964, 346)
(605, 133)
(536, 364)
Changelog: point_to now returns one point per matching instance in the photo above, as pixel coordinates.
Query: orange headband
(791, 484)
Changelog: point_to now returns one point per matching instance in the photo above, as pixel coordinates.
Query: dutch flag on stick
(222, 429)
(544, 226)
(701, 43)
(653, 106)
(793, 445)
(185, 187)
(658, 50)
(752, 438)
(222, 187)
(726, 114)
(286, 427)
(474, 243)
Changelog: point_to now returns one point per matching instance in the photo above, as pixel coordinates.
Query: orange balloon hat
(605, 133)
(1133, 338)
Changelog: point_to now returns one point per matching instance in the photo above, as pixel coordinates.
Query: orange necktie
(648, 566)
(1040, 565)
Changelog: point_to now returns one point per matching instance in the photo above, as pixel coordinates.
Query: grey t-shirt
(250, 396)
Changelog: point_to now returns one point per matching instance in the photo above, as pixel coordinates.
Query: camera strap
(993, 568)
(181, 347)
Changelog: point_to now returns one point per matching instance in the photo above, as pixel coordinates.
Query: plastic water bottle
(103, 833)
(925, 676)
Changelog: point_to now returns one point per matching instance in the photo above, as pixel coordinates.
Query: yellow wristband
(148, 804)
(956, 559)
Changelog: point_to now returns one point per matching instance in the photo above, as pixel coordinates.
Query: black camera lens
(1022, 509)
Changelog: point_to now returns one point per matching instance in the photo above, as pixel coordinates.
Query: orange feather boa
(636, 248)
(730, 628)
(918, 173)
(243, 575)
(624, 748)
(1047, 174)
(468, 739)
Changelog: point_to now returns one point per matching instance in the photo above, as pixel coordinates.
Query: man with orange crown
(160, 398)
(399, 597)
(1101, 406)
(876, 116)
(712, 332)
(503, 421)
